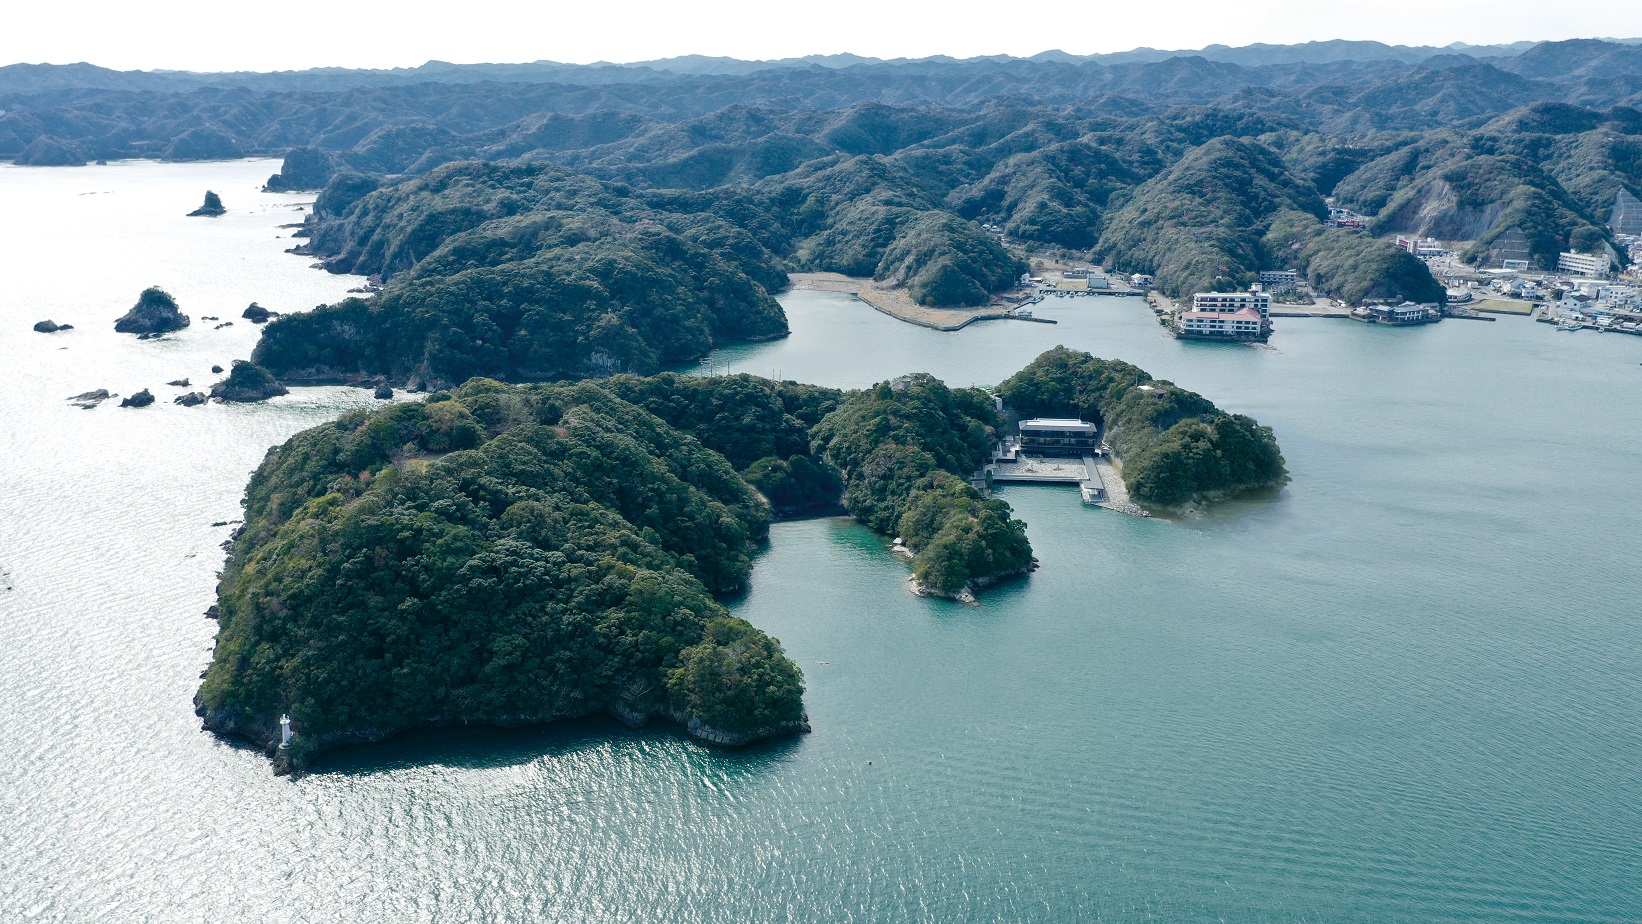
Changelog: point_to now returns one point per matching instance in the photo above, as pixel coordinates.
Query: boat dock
(1098, 481)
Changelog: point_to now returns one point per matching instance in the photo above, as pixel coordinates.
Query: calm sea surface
(1405, 689)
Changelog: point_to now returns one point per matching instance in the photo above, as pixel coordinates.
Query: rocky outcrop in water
(178, 383)
(967, 593)
(141, 399)
(248, 382)
(48, 327)
(257, 314)
(91, 399)
(155, 313)
(192, 399)
(211, 208)
(383, 391)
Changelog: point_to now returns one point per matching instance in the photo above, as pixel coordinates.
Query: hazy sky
(200, 35)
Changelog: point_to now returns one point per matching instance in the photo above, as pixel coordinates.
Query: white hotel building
(1258, 302)
(1227, 315)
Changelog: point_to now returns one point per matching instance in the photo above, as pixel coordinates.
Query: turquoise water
(1404, 688)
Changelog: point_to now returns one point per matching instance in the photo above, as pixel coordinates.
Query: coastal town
(1598, 291)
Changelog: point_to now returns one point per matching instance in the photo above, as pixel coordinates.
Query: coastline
(263, 736)
(896, 302)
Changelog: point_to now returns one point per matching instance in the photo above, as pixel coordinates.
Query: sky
(216, 36)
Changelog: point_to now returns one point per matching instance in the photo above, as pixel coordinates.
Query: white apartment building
(1583, 264)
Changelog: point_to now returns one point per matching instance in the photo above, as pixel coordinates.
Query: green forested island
(497, 555)
(516, 554)
(1176, 447)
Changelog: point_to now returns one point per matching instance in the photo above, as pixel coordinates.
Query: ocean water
(1406, 687)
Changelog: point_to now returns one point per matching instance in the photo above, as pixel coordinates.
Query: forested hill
(499, 556)
(531, 230)
(1351, 87)
(605, 243)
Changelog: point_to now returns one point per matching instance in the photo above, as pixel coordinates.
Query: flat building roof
(1056, 423)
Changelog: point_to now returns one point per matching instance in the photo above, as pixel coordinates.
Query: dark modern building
(1053, 436)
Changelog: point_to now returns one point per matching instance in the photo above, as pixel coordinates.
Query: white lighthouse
(284, 732)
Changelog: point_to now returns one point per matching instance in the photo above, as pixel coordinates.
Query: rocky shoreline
(264, 734)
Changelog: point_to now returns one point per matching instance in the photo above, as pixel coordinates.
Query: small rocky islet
(155, 313)
(247, 382)
(210, 208)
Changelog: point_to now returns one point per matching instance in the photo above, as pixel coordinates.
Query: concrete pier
(1117, 495)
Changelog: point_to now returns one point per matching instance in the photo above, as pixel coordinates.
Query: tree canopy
(495, 555)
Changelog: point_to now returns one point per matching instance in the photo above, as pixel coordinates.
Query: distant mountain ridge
(1197, 170)
(24, 78)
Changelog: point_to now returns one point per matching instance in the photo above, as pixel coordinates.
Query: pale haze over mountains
(193, 35)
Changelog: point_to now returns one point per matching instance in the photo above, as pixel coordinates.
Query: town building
(1422, 247)
(1059, 436)
(1242, 324)
(1142, 280)
(1279, 277)
(1406, 313)
(1583, 264)
(1228, 302)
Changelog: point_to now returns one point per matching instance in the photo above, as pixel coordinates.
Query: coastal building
(1059, 436)
(1228, 302)
(1406, 313)
(1279, 277)
(1242, 324)
(1422, 247)
(1142, 280)
(1097, 280)
(1583, 264)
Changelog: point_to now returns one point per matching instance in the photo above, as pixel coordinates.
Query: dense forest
(905, 449)
(496, 555)
(512, 554)
(1176, 447)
